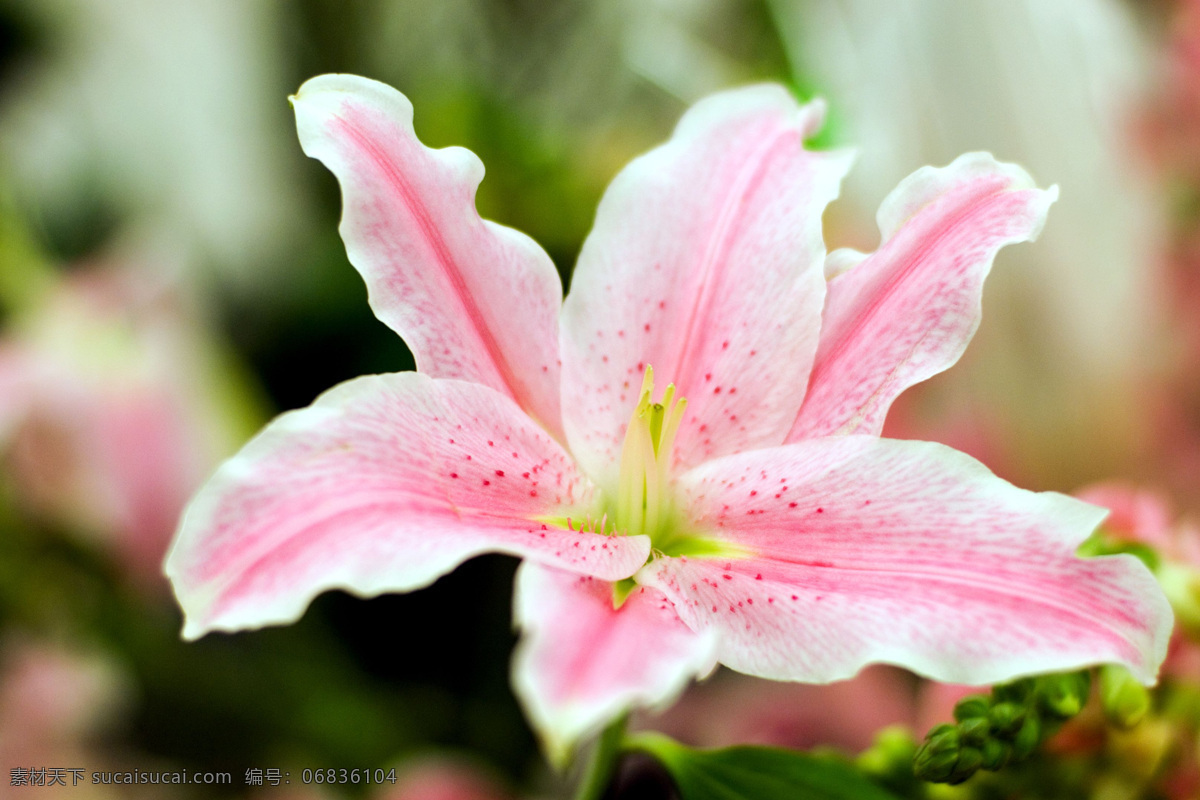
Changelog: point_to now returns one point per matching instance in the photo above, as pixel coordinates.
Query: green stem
(602, 761)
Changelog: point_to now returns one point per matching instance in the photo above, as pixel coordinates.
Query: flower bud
(1026, 740)
(970, 759)
(972, 706)
(1006, 719)
(1016, 691)
(936, 769)
(936, 758)
(1063, 695)
(942, 736)
(974, 731)
(1181, 584)
(995, 754)
(1125, 700)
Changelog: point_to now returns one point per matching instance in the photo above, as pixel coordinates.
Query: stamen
(657, 412)
(632, 478)
(643, 497)
(660, 411)
(647, 381)
(672, 425)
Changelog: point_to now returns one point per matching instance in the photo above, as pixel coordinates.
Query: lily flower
(686, 451)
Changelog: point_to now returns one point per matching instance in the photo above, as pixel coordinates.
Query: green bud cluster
(1004, 727)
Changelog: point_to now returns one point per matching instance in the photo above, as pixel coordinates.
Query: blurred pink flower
(443, 778)
(768, 527)
(51, 698)
(113, 408)
(1145, 516)
(732, 710)
(1170, 125)
(1172, 121)
(1141, 515)
(54, 702)
(1161, 749)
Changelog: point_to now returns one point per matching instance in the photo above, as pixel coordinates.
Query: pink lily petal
(705, 262)
(581, 662)
(907, 311)
(378, 487)
(864, 550)
(474, 300)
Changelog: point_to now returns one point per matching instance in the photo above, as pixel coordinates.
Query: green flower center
(643, 503)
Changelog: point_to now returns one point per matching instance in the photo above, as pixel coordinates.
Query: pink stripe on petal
(384, 484)
(474, 300)
(906, 312)
(909, 553)
(706, 263)
(580, 662)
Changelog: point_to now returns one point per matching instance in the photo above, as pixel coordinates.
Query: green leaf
(757, 773)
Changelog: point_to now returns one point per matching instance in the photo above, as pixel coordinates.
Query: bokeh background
(171, 277)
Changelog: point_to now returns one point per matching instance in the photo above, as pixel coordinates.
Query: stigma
(643, 491)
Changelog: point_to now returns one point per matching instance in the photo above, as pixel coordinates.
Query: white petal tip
(192, 631)
(812, 117)
(926, 184)
(842, 260)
